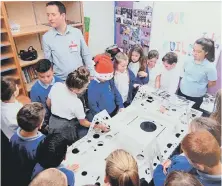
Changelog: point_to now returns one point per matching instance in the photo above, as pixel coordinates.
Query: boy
(50, 177)
(169, 76)
(24, 143)
(43, 85)
(50, 154)
(10, 106)
(102, 92)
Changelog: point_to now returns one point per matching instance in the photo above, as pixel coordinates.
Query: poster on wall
(133, 21)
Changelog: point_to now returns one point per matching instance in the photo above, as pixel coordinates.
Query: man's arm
(86, 56)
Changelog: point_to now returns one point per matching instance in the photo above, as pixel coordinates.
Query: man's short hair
(31, 116)
(43, 65)
(60, 5)
(202, 148)
(50, 177)
(170, 58)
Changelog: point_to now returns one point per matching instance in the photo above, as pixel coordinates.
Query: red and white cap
(103, 67)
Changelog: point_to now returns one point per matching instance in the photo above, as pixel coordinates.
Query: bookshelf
(9, 62)
(33, 24)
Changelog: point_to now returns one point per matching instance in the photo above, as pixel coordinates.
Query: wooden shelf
(28, 63)
(5, 43)
(35, 29)
(14, 76)
(6, 56)
(7, 67)
(3, 30)
(29, 85)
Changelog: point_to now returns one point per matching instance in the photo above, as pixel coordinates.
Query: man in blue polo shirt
(64, 45)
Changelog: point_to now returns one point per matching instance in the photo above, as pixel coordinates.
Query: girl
(147, 71)
(136, 59)
(121, 169)
(66, 108)
(199, 73)
(123, 78)
(217, 107)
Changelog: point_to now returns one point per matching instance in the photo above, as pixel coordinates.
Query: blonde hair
(50, 177)
(217, 105)
(120, 56)
(122, 169)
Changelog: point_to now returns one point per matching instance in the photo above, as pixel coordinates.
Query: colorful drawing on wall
(87, 25)
(133, 26)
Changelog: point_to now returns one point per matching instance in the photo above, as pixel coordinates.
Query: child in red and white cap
(102, 92)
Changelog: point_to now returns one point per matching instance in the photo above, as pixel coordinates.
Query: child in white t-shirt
(10, 106)
(66, 108)
(169, 76)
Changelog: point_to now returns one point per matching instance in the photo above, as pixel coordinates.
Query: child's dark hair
(170, 58)
(176, 178)
(78, 78)
(8, 88)
(60, 5)
(138, 49)
(208, 46)
(119, 57)
(153, 54)
(30, 116)
(43, 65)
(51, 151)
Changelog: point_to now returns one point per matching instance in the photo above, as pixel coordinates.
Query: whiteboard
(177, 25)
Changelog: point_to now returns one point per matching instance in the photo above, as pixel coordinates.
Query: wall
(176, 26)
(101, 33)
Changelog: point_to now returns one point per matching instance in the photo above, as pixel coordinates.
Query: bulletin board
(133, 22)
(177, 25)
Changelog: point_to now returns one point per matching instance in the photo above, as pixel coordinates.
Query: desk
(150, 145)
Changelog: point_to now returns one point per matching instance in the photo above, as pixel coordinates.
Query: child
(217, 107)
(153, 69)
(199, 72)
(124, 78)
(180, 178)
(180, 162)
(102, 92)
(67, 109)
(169, 76)
(203, 152)
(50, 177)
(43, 85)
(121, 169)
(50, 154)
(24, 143)
(10, 106)
(136, 59)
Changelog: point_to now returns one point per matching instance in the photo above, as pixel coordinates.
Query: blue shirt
(196, 76)
(69, 174)
(143, 80)
(103, 95)
(67, 52)
(40, 91)
(23, 157)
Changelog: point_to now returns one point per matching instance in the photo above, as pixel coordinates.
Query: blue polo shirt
(67, 51)
(196, 76)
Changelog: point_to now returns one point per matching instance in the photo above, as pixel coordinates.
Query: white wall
(101, 31)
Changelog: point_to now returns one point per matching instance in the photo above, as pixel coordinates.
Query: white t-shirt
(134, 67)
(169, 80)
(8, 117)
(64, 103)
(122, 84)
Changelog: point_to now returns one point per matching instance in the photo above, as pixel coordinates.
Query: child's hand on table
(121, 110)
(102, 126)
(166, 164)
(73, 167)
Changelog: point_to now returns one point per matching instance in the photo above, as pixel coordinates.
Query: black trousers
(198, 100)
